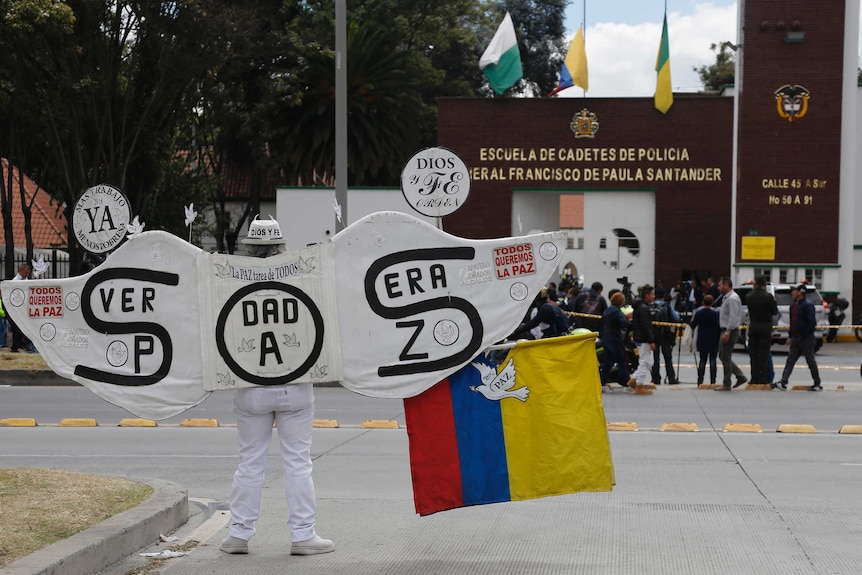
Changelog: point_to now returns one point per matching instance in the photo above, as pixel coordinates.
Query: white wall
(535, 211)
(604, 211)
(307, 215)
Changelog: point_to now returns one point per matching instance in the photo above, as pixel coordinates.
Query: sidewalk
(707, 503)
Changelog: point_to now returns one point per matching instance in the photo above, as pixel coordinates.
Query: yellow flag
(576, 61)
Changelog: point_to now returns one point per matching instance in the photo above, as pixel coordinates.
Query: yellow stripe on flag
(557, 440)
(576, 61)
(663, 88)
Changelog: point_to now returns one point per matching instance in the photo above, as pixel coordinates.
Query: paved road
(708, 502)
(839, 366)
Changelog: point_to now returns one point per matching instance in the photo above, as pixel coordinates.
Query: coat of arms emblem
(584, 124)
(792, 101)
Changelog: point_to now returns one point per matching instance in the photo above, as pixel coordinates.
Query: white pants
(291, 407)
(645, 361)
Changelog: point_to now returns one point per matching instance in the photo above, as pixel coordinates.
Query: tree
(25, 26)
(264, 48)
(722, 73)
(540, 27)
(383, 102)
(103, 98)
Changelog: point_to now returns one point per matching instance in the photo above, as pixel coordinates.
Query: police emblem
(792, 101)
(584, 124)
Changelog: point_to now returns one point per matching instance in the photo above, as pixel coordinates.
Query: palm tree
(383, 106)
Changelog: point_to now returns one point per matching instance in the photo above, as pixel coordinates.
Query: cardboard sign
(388, 307)
(100, 218)
(415, 304)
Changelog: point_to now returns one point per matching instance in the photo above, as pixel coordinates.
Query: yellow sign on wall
(758, 248)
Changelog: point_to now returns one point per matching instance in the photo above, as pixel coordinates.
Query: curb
(47, 378)
(112, 540)
(35, 378)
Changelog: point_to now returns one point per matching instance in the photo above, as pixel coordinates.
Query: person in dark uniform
(761, 309)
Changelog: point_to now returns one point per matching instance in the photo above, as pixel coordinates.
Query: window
(787, 276)
(814, 276)
(765, 272)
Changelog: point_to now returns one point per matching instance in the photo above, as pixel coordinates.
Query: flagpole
(585, 36)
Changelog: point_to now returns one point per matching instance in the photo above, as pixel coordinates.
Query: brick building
(759, 179)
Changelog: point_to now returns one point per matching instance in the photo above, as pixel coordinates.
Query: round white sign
(435, 182)
(100, 218)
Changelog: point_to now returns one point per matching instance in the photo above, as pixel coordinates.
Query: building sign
(388, 307)
(594, 165)
(435, 182)
(100, 218)
(759, 248)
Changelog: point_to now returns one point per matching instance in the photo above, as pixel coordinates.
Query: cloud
(621, 57)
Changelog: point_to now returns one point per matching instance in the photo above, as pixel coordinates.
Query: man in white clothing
(291, 408)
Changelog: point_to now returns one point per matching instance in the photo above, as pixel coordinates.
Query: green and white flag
(501, 61)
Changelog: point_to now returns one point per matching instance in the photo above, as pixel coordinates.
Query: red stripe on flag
(434, 462)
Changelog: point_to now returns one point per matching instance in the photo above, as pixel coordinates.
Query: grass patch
(21, 360)
(41, 506)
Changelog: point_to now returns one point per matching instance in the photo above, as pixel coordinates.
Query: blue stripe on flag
(481, 445)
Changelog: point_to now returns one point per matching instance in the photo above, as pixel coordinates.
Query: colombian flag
(531, 427)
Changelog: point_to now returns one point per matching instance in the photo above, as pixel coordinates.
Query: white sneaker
(233, 544)
(313, 546)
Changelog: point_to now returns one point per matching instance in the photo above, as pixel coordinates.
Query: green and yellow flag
(663, 90)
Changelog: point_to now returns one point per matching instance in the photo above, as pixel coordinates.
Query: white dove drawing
(135, 227)
(191, 214)
(306, 266)
(224, 270)
(246, 345)
(379, 238)
(499, 386)
(225, 380)
(40, 266)
(337, 208)
(318, 371)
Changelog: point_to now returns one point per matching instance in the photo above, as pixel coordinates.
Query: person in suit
(761, 309)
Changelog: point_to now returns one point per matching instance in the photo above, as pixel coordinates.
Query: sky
(622, 39)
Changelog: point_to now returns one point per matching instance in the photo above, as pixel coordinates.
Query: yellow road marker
(743, 427)
(678, 427)
(78, 422)
(622, 426)
(134, 422)
(379, 424)
(199, 423)
(326, 423)
(18, 422)
(795, 428)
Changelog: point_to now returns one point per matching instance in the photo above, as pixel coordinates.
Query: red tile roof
(236, 183)
(47, 219)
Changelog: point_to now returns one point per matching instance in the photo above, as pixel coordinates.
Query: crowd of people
(637, 334)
